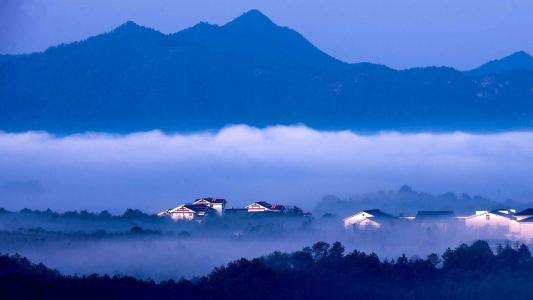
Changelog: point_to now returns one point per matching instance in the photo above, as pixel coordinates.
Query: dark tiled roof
(525, 212)
(270, 206)
(498, 213)
(435, 214)
(212, 200)
(378, 213)
(501, 209)
(199, 208)
(527, 220)
(264, 204)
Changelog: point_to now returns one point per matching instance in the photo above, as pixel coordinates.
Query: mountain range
(248, 71)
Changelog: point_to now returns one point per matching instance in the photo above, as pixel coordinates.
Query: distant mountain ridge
(247, 71)
(518, 61)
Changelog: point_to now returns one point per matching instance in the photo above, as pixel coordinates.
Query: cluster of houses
(513, 224)
(204, 207)
(516, 225)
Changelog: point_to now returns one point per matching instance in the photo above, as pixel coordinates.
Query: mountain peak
(253, 18)
(128, 25)
(519, 55)
(254, 13)
(132, 28)
(518, 61)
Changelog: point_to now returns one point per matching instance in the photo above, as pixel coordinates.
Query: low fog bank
(281, 164)
(146, 246)
(161, 258)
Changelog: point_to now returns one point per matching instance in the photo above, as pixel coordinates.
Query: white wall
(350, 221)
(219, 207)
(176, 216)
(526, 231)
(487, 220)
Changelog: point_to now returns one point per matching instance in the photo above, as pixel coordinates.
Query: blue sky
(401, 34)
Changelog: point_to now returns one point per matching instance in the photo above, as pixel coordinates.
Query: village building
(526, 213)
(164, 213)
(217, 204)
(439, 219)
(262, 206)
(502, 220)
(370, 219)
(495, 223)
(526, 229)
(499, 221)
(203, 207)
(191, 212)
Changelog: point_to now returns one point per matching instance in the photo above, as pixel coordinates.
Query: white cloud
(295, 164)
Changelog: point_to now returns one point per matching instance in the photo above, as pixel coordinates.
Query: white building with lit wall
(370, 219)
(217, 204)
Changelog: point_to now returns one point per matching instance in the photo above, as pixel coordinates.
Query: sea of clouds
(281, 164)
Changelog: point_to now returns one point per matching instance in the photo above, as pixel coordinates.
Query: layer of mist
(145, 246)
(280, 164)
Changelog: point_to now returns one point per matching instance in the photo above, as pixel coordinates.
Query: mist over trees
(82, 242)
(406, 201)
(321, 271)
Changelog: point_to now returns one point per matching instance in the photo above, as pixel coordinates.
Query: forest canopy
(320, 271)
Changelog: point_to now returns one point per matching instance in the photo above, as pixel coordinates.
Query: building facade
(191, 212)
(370, 219)
(262, 206)
(499, 222)
(496, 220)
(217, 204)
(437, 219)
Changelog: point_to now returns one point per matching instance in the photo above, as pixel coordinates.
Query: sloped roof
(194, 207)
(498, 213)
(175, 208)
(268, 205)
(527, 220)
(377, 216)
(163, 213)
(212, 200)
(199, 208)
(493, 212)
(264, 204)
(525, 212)
(377, 213)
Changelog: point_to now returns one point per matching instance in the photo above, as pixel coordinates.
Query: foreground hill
(317, 272)
(247, 71)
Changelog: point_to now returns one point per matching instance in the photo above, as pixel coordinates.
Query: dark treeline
(78, 223)
(28, 223)
(129, 214)
(408, 201)
(323, 271)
